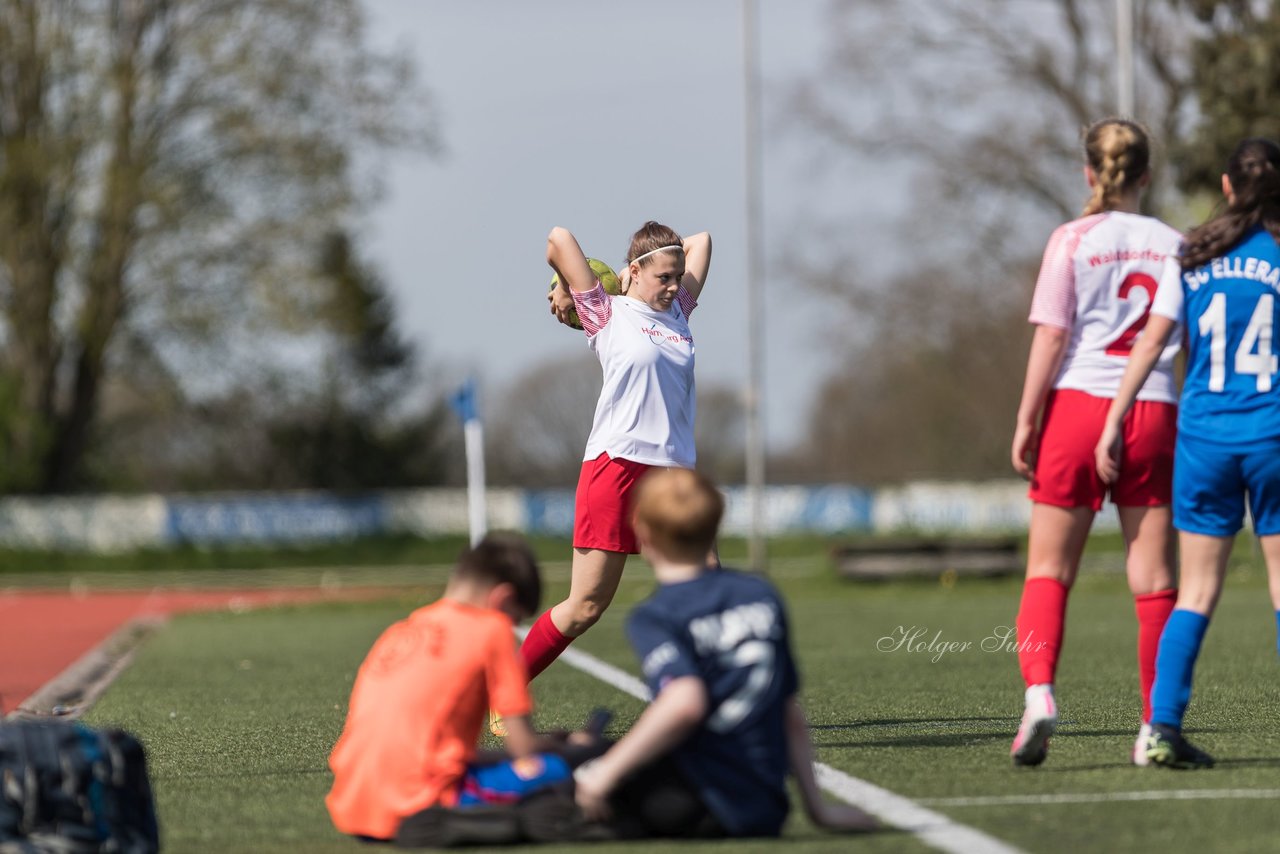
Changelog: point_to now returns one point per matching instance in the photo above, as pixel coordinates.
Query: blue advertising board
(273, 519)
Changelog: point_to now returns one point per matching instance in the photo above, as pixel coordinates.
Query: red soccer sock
(1153, 611)
(1041, 619)
(542, 645)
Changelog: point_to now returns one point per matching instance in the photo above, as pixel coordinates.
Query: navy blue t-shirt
(729, 630)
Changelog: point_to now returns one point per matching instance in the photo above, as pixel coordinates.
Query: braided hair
(1119, 152)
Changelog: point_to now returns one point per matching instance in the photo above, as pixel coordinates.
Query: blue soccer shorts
(1211, 482)
(509, 782)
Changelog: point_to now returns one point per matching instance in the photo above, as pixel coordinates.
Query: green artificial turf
(238, 712)
(230, 563)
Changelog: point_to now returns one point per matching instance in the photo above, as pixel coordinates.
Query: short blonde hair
(680, 511)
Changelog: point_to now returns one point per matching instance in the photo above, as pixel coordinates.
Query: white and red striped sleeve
(686, 300)
(594, 308)
(1054, 300)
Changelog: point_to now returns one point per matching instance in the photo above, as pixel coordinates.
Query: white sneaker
(1140, 747)
(1039, 720)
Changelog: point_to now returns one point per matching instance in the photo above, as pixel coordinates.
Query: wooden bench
(880, 560)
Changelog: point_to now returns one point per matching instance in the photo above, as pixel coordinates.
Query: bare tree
(983, 102)
(721, 433)
(168, 171)
(990, 97)
(930, 393)
(538, 425)
(1236, 86)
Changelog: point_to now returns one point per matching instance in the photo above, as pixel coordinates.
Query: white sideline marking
(932, 828)
(1100, 797)
(605, 672)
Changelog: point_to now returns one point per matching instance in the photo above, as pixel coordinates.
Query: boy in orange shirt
(408, 749)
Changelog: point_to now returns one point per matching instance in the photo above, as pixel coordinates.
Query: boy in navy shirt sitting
(710, 755)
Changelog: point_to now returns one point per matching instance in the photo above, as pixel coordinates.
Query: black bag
(71, 789)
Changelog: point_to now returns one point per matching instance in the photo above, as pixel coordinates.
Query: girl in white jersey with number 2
(645, 414)
(1091, 302)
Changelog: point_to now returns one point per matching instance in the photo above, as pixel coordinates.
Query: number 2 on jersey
(1123, 345)
(1253, 356)
(757, 655)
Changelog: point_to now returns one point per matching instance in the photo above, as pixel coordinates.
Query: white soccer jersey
(1098, 279)
(646, 408)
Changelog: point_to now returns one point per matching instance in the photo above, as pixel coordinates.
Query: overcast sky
(596, 116)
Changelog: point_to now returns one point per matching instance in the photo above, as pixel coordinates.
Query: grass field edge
(73, 691)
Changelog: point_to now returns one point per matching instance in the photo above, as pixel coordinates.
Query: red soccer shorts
(1066, 471)
(602, 505)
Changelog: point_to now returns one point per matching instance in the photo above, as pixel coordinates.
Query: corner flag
(464, 402)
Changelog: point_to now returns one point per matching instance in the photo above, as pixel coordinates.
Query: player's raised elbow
(557, 240)
(698, 246)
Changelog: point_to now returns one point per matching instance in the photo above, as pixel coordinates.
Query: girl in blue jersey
(1225, 290)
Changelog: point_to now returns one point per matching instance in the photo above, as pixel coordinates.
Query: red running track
(44, 632)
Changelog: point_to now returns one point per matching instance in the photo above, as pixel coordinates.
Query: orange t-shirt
(416, 710)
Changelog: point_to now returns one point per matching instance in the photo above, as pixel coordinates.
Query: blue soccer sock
(1175, 665)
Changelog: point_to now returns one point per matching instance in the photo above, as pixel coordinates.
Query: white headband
(654, 252)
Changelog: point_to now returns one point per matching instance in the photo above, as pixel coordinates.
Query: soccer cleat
(496, 725)
(1167, 747)
(1139, 755)
(1039, 720)
(552, 816)
(441, 827)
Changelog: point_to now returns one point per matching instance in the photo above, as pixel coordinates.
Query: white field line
(930, 827)
(1102, 797)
